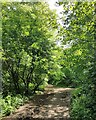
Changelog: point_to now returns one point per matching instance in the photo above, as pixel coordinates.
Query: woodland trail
(54, 104)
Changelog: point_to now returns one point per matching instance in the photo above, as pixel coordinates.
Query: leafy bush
(9, 104)
(80, 104)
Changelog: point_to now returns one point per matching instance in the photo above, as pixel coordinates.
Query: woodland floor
(53, 104)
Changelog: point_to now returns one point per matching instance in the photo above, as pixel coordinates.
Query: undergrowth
(10, 103)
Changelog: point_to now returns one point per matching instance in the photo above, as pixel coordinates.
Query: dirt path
(54, 104)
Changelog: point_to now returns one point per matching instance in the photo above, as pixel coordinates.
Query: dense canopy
(32, 59)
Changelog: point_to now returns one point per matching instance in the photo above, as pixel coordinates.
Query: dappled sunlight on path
(54, 104)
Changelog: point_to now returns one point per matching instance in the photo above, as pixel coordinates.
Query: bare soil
(53, 104)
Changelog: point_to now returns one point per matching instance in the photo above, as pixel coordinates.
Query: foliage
(80, 58)
(27, 34)
(10, 103)
(28, 30)
(31, 58)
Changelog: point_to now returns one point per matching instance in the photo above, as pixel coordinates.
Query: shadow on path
(54, 104)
